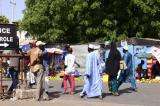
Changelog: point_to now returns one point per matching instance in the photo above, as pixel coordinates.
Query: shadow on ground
(55, 94)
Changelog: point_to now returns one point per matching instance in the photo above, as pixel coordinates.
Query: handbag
(123, 65)
(102, 66)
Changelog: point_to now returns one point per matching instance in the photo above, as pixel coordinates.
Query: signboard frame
(8, 37)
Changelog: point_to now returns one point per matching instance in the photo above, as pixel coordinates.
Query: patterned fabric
(26, 48)
(113, 85)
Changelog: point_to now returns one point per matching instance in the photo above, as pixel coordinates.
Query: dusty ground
(147, 95)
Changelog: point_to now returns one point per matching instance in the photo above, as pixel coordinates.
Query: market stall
(55, 60)
(141, 49)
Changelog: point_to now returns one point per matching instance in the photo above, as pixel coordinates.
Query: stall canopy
(25, 42)
(143, 41)
(144, 55)
(54, 50)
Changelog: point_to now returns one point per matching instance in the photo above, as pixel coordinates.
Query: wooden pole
(24, 72)
(21, 71)
(1, 74)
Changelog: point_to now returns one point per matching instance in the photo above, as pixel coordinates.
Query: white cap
(125, 47)
(91, 46)
(40, 43)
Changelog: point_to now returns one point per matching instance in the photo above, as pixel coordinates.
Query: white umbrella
(54, 50)
(26, 41)
(156, 52)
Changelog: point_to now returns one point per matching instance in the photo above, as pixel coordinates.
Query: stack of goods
(150, 63)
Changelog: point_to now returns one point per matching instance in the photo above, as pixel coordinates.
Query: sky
(6, 9)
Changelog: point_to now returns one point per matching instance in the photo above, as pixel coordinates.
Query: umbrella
(143, 55)
(54, 50)
(25, 42)
(26, 48)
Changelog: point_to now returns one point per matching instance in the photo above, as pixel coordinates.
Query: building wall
(80, 51)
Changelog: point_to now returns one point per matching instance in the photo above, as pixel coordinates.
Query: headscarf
(113, 50)
(113, 61)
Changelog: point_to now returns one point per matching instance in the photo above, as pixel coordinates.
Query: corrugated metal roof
(143, 41)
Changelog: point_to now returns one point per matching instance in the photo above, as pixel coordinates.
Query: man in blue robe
(127, 75)
(93, 82)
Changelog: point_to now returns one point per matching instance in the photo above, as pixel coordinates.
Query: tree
(72, 21)
(4, 20)
(149, 18)
(134, 18)
(18, 25)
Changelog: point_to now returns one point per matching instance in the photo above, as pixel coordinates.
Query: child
(70, 61)
(139, 69)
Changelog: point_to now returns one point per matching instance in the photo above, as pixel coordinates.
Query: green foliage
(4, 20)
(72, 21)
(18, 25)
